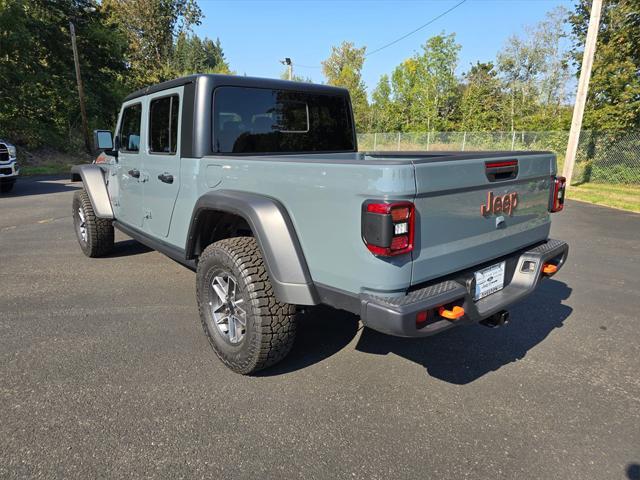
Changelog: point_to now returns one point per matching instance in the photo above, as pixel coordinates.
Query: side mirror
(103, 139)
(104, 142)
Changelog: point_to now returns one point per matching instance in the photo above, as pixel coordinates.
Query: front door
(162, 160)
(127, 169)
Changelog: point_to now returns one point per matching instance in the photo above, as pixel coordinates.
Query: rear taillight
(558, 185)
(388, 228)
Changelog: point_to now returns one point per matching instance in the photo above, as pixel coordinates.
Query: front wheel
(248, 328)
(95, 235)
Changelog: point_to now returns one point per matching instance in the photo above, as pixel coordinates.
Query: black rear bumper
(397, 315)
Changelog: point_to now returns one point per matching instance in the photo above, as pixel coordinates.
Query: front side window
(260, 120)
(163, 121)
(130, 128)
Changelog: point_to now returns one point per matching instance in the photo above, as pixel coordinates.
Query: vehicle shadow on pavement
(126, 248)
(462, 355)
(322, 332)
(42, 186)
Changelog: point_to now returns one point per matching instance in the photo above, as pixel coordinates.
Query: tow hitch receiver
(497, 319)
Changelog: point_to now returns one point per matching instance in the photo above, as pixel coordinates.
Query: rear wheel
(6, 187)
(95, 235)
(248, 328)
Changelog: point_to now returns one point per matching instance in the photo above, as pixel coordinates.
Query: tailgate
(455, 232)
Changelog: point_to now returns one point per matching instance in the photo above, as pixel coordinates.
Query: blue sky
(256, 34)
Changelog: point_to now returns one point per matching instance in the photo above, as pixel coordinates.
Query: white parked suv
(8, 166)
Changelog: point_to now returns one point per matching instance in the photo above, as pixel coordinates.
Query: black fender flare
(276, 237)
(92, 176)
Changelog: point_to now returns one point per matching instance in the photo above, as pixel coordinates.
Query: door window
(163, 120)
(130, 128)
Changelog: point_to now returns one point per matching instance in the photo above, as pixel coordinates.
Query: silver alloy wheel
(228, 317)
(82, 225)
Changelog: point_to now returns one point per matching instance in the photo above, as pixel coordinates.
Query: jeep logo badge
(506, 203)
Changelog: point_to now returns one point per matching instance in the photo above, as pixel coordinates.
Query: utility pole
(289, 64)
(83, 111)
(583, 88)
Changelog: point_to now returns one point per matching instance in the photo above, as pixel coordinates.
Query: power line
(400, 38)
(416, 30)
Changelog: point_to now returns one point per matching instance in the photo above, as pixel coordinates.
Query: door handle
(135, 173)
(165, 177)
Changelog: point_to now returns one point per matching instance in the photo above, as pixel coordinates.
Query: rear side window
(163, 124)
(130, 128)
(259, 120)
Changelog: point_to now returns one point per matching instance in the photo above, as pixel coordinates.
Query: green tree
(405, 108)
(482, 99)
(122, 45)
(425, 88)
(343, 68)
(438, 63)
(383, 116)
(520, 63)
(38, 94)
(194, 55)
(613, 101)
(553, 34)
(152, 28)
(534, 67)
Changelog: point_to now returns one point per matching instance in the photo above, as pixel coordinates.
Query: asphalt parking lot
(105, 371)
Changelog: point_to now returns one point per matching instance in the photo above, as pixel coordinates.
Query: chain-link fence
(605, 157)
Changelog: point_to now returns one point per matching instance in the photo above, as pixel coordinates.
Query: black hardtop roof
(240, 81)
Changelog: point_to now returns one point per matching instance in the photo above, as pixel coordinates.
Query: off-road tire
(99, 231)
(6, 187)
(270, 325)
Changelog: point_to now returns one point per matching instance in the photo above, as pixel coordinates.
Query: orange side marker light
(549, 268)
(453, 314)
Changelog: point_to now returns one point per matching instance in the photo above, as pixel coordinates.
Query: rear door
(127, 200)
(162, 160)
(476, 209)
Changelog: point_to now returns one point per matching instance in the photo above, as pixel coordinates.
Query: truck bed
(324, 194)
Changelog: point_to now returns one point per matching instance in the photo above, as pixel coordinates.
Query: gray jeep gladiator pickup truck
(258, 186)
